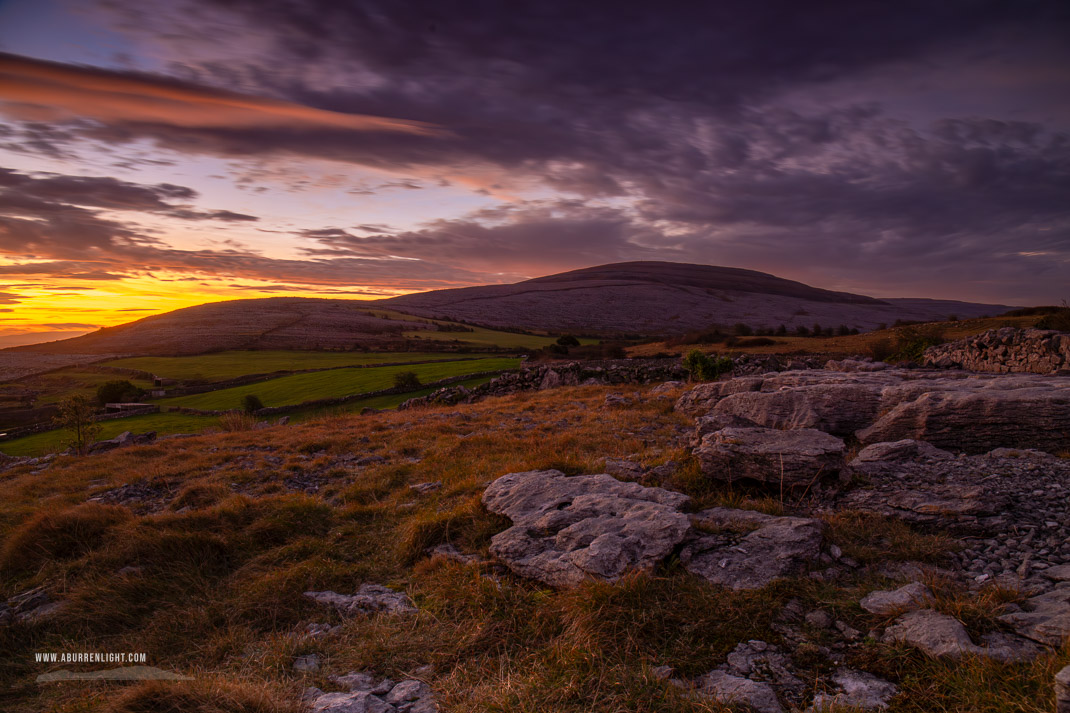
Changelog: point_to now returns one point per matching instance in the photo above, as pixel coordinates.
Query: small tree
(742, 330)
(407, 380)
(817, 330)
(76, 415)
(567, 340)
(252, 403)
(802, 331)
(117, 392)
(781, 331)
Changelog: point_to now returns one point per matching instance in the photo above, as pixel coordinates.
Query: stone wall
(1004, 351)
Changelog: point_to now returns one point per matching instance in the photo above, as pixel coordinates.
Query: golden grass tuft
(64, 535)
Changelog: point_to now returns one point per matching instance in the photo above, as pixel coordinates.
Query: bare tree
(76, 415)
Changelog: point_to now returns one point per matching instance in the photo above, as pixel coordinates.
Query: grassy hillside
(205, 573)
(298, 388)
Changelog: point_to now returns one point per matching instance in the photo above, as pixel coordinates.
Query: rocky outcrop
(793, 459)
(570, 529)
(1006, 350)
(369, 694)
(948, 409)
(369, 599)
(978, 420)
(123, 439)
(745, 549)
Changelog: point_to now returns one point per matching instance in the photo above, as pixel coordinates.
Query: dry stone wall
(1006, 350)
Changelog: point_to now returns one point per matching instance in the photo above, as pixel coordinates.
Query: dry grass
(209, 581)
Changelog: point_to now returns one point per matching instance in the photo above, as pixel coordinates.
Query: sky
(160, 154)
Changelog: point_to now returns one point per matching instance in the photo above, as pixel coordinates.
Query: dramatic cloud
(900, 148)
(46, 91)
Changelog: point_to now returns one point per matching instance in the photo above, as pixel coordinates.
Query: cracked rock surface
(569, 529)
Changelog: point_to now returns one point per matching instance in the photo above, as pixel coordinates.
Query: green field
(162, 423)
(298, 388)
(230, 365)
(168, 423)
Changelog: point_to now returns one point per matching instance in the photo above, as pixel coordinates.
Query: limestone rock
(568, 529)
(368, 694)
(934, 633)
(1062, 690)
(908, 597)
(703, 397)
(976, 421)
(857, 689)
(775, 547)
(792, 458)
(359, 702)
(906, 449)
(1046, 618)
(369, 599)
(839, 409)
(726, 688)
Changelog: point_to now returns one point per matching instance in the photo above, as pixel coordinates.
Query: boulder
(794, 459)
(569, 529)
(839, 409)
(908, 597)
(369, 599)
(752, 549)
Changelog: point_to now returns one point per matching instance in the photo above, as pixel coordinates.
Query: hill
(271, 323)
(653, 298)
(648, 298)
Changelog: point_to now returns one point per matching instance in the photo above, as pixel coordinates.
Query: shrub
(567, 340)
(703, 368)
(408, 380)
(252, 403)
(742, 330)
(117, 392)
(912, 341)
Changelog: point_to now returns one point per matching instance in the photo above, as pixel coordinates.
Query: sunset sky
(158, 154)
